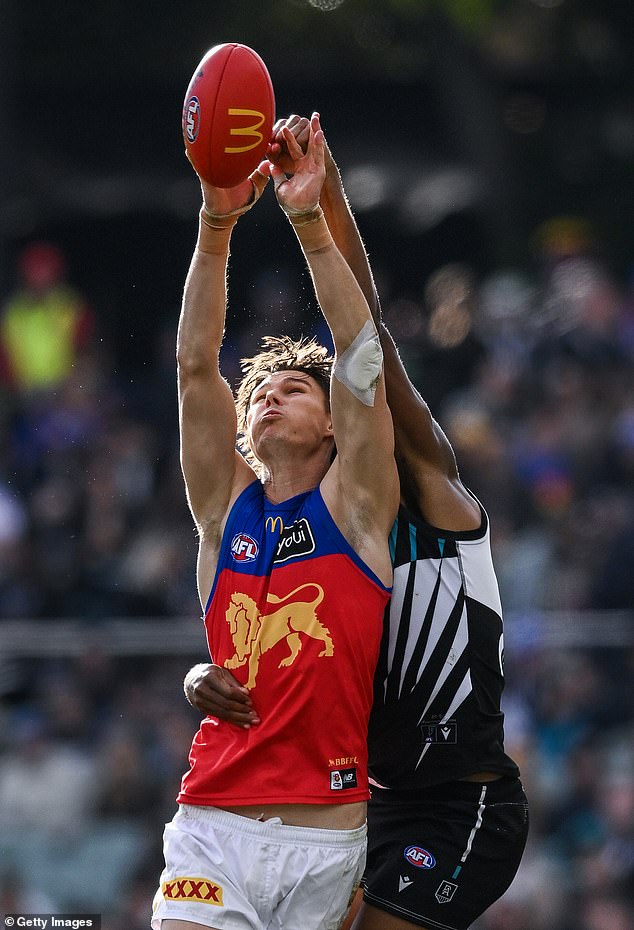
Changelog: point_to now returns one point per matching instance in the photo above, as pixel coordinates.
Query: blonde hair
(279, 353)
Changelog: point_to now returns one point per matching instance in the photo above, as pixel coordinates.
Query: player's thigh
(353, 910)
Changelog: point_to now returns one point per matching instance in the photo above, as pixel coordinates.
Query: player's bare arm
(214, 472)
(427, 466)
(430, 483)
(361, 488)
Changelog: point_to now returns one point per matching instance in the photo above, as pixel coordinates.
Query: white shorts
(233, 873)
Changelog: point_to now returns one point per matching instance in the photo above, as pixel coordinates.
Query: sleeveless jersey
(296, 616)
(436, 715)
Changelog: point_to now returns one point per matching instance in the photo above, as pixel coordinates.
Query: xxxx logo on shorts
(184, 888)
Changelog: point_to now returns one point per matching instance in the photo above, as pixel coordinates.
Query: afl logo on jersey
(244, 548)
(419, 857)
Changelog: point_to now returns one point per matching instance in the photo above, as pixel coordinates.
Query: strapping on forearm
(214, 232)
(311, 229)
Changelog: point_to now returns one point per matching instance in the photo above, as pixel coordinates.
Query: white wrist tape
(359, 367)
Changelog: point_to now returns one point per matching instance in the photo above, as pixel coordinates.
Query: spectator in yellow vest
(44, 322)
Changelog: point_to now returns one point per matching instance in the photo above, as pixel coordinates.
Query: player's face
(288, 406)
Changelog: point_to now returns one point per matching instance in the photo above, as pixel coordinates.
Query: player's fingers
(217, 696)
(241, 718)
(228, 686)
(264, 168)
(234, 708)
(276, 134)
(220, 704)
(296, 124)
(302, 131)
(259, 178)
(278, 176)
(295, 150)
(316, 146)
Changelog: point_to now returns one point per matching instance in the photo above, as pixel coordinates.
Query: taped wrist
(311, 229)
(359, 367)
(214, 232)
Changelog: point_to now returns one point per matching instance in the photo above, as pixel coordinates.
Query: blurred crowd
(530, 374)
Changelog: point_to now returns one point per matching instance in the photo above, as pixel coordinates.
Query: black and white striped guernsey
(436, 715)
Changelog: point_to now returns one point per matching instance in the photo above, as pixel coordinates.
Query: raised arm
(214, 472)
(361, 488)
(427, 466)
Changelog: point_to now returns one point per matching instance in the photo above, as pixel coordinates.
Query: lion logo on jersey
(254, 633)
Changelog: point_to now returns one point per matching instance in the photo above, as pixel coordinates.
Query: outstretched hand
(299, 126)
(213, 690)
(299, 192)
(277, 152)
(224, 201)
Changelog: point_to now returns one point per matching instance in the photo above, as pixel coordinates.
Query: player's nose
(272, 397)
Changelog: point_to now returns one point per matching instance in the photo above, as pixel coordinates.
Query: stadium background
(488, 150)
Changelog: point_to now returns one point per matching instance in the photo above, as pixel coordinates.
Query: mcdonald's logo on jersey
(273, 524)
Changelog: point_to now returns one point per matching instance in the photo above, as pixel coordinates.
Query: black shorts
(439, 857)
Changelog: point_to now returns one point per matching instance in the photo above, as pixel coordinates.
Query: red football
(228, 114)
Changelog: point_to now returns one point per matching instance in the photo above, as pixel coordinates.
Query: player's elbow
(194, 364)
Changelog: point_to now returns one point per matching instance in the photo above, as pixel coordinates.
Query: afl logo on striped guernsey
(244, 548)
(419, 857)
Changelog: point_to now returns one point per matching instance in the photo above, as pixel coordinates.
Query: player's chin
(272, 435)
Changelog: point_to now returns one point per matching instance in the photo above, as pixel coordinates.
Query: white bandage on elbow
(359, 367)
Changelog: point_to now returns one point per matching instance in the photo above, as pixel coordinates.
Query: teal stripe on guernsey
(392, 542)
(412, 542)
(441, 546)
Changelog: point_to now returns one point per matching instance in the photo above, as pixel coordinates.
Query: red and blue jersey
(297, 617)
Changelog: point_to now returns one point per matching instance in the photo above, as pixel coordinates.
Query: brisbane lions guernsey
(436, 715)
(296, 616)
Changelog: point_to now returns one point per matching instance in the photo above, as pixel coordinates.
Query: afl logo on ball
(244, 548)
(191, 119)
(419, 857)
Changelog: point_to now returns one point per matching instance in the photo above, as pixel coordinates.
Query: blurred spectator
(44, 323)
(45, 785)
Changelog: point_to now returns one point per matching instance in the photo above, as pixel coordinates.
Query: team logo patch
(294, 541)
(340, 779)
(419, 857)
(446, 891)
(192, 118)
(404, 881)
(434, 732)
(184, 888)
(254, 633)
(244, 548)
